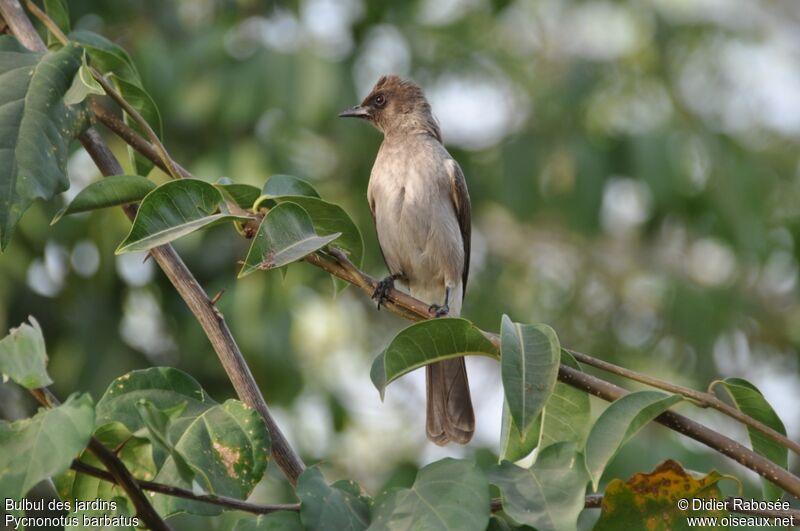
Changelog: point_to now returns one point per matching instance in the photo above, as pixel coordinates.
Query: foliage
(163, 425)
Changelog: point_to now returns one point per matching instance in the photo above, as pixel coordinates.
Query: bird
(420, 205)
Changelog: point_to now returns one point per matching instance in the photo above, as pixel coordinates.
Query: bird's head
(395, 105)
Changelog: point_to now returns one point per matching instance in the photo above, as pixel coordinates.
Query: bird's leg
(443, 309)
(383, 287)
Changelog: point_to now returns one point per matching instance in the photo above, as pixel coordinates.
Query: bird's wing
(460, 198)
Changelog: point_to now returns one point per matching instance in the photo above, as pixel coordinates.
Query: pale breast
(415, 219)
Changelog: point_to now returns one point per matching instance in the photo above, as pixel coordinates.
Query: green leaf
(243, 195)
(42, 446)
(286, 235)
(281, 185)
(173, 210)
(447, 495)
(112, 59)
(329, 218)
(650, 501)
(225, 445)
(530, 356)
(58, 12)
(83, 84)
(279, 521)
(749, 400)
(619, 423)
(35, 127)
(513, 444)
(550, 495)
(163, 386)
(23, 357)
(110, 191)
(566, 417)
(339, 507)
(158, 423)
(426, 342)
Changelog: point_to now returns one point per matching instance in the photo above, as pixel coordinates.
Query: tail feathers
(450, 417)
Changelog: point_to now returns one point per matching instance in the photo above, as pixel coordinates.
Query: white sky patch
(711, 262)
(600, 31)
(133, 269)
(329, 23)
(85, 258)
(741, 86)
(441, 12)
(477, 112)
(626, 205)
(385, 51)
(142, 327)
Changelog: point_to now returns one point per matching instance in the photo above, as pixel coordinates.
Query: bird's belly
(420, 238)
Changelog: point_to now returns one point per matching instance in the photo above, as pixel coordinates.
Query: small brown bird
(419, 202)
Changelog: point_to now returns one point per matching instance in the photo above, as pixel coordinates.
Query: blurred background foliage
(635, 182)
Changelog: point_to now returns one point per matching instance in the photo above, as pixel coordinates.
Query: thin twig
(209, 318)
(177, 492)
(117, 470)
(338, 265)
(703, 399)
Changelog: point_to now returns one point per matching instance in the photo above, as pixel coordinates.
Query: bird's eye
(380, 100)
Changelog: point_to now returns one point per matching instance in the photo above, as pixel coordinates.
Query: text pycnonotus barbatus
(419, 202)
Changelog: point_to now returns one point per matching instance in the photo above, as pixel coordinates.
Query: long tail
(449, 414)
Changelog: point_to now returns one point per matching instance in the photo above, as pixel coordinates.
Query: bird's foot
(381, 293)
(439, 310)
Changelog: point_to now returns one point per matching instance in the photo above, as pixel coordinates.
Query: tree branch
(703, 399)
(210, 319)
(117, 470)
(177, 492)
(336, 263)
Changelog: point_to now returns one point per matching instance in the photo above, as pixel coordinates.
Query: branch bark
(337, 264)
(210, 319)
(117, 470)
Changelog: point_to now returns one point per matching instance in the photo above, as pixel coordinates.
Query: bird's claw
(382, 290)
(439, 310)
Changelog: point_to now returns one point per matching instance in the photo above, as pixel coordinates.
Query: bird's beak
(358, 111)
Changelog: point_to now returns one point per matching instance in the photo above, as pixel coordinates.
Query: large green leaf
(338, 507)
(751, 402)
(529, 361)
(282, 185)
(111, 191)
(23, 357)
(42, 446)
(548, 496)
(448, 495)
(225, 445)
(286, 235)
(566, 417)
(35, 127)
(279, 521)
(619, 423)
(115, 61)
(426, 342)
(173, 210)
